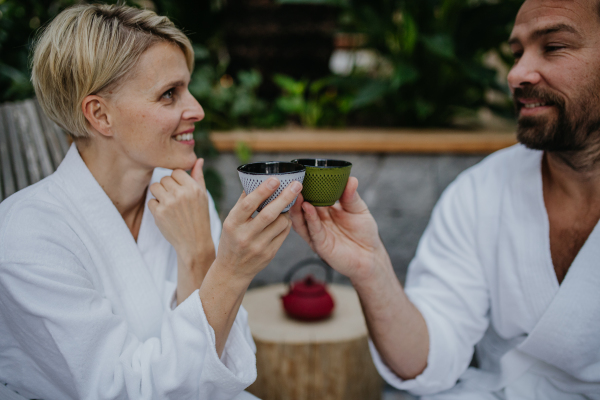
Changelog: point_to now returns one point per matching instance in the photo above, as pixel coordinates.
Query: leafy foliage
(431, 58)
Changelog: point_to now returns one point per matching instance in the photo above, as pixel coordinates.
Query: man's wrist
(378, 268)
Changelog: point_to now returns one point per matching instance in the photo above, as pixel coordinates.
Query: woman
(109, 282)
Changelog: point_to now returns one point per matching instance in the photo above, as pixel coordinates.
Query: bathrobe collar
(139, 295)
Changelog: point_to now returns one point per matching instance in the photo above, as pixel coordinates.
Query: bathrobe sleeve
(446, 283)
(78, 347)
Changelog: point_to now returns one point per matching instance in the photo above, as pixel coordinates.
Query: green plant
(431, 59)
(314, 103)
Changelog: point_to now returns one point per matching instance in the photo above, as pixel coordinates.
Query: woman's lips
(184, 138)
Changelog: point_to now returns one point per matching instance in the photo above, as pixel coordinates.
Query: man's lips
(532, 106)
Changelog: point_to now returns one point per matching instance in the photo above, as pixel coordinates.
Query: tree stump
(323, 360)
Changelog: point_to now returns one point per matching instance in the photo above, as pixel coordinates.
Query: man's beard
(569, 132)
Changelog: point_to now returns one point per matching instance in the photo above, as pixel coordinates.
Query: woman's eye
(517, 55)
(168, 94)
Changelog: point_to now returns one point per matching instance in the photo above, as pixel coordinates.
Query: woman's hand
(247, 245)
(344, 235)
(181, 213)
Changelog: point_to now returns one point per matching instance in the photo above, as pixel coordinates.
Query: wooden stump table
(324, 360)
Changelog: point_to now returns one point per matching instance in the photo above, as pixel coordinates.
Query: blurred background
(290, 66)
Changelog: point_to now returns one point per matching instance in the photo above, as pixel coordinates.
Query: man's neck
(578, 178)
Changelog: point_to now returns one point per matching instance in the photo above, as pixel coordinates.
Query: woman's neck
(124, 182)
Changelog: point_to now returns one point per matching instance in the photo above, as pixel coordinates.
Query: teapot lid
(308, 287)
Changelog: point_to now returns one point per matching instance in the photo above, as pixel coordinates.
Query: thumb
(350, 200)
(197, 173)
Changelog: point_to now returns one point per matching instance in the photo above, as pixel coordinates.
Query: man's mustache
(542, 95)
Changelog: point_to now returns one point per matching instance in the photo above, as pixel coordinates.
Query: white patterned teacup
(252, 175)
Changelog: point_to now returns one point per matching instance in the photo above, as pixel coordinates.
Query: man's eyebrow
(547, 31)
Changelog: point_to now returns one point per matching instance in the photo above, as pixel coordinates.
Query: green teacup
(325, 180)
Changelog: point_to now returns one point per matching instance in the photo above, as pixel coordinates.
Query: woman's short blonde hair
(88, 48)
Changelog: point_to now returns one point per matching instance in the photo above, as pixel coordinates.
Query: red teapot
(308, 299)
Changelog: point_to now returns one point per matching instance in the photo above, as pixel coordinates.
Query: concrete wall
(400, 190)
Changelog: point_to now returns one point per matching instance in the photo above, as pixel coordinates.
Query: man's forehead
(582, 15)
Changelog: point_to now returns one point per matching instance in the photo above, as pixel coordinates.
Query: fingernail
(272, 183)
(296, 187)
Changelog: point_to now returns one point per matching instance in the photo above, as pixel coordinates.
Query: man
(510, 261)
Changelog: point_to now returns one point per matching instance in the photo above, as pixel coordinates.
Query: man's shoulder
(502, 166)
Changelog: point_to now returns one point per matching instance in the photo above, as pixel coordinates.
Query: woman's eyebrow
(173, 84)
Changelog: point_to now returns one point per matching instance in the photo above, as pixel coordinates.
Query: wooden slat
(15, 147)
(38, 137)
(24, 129)
(8, 183)
(366, 141)
(54, 146)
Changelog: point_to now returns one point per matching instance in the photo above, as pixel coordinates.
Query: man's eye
(168, 94)
(550, 49)
(517, 55)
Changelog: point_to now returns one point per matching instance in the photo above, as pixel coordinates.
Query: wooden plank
(38, 137)
(8, 183)
(18, 161)
(367, 141)
(27, 142)
(53, 135)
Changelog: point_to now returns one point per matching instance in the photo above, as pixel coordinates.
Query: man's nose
(524, 72)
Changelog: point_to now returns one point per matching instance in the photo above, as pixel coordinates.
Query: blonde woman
(110, 284)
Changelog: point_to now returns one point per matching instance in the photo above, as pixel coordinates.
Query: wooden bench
(31, 146)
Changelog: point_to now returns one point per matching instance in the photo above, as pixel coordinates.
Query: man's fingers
(316, 230)
(350, 200)
(298, 221)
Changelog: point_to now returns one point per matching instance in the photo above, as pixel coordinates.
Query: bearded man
(509, 264)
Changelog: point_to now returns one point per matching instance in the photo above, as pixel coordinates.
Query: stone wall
(400, 190)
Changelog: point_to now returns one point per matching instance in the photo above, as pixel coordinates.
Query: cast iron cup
(325, 180)
(252, 175)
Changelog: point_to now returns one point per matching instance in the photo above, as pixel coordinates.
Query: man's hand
(344, 235)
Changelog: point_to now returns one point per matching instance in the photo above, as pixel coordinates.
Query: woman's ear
(97, 114)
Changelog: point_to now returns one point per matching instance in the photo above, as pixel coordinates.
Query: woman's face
(152, 112)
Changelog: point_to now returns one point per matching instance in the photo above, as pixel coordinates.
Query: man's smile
(531, 107)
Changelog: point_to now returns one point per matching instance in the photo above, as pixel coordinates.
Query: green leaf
(243, 152)
(370, 93)
(251, 79)
(291, 105)
(289, 84)
(440, 45)
(403, 74)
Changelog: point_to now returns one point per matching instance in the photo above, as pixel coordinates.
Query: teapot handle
(301, 264)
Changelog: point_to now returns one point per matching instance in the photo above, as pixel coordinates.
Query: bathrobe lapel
(568, 334)
(137, 295)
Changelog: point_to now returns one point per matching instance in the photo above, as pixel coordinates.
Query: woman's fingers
(274, 208)
(248, 204)
(197, 173)
(170, 184)
(158, 191)
(280, 224)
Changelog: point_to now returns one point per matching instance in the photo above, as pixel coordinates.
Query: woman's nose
(193, 110)
(524, 72)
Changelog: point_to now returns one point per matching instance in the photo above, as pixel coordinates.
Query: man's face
(555, 80)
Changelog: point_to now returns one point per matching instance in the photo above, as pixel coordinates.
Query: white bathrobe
(483, 275)
(88, 313)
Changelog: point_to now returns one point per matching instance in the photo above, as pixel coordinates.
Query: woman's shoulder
(37, 213)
